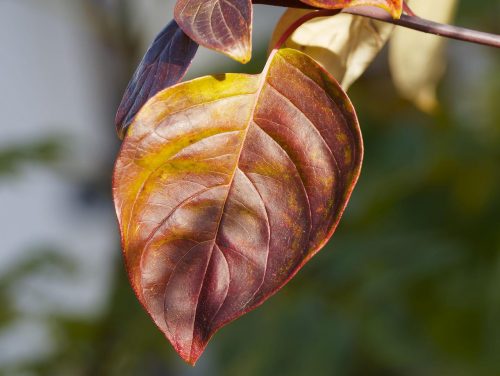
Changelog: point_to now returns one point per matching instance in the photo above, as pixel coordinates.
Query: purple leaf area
(221, 25)
(165, 64)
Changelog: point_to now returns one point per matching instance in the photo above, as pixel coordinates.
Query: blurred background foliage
(409, 284)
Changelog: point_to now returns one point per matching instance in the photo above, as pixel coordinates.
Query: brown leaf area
(221, 25)
(226, 186)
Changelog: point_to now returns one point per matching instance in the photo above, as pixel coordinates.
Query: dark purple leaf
(164, 65)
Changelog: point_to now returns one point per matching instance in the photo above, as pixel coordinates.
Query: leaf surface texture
(221, 25)
(226, 186)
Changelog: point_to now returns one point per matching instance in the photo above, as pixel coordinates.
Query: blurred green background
(408, 285)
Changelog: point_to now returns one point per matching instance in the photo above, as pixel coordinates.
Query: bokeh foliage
(409, 284)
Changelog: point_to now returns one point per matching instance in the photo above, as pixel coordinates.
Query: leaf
(284, 3)
(393, 7)
(417, 59)
(46, 151)
(344, 44)
(221, 25)
(226, 186)
(164, 65)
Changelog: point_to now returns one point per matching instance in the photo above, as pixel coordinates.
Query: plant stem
(431, 27)
(307, 17)
(408, 21)
(407, 9)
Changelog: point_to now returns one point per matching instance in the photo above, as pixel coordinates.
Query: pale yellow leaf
(344, 44)
(417, 60)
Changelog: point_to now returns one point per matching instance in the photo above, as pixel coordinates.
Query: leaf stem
(408, 10)
(306, 17)
(409, 21)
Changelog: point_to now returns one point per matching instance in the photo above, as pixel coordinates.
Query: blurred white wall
(55, 79)
(58, 78)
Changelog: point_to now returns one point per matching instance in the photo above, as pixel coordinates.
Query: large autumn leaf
(226, 186)
(394, 7)
(221, 25)
(344, 44)
(164, 64)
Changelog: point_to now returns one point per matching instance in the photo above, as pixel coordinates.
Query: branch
(408, 21)
(430, 27)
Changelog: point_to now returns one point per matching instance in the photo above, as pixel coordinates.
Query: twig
(307, 17)
(408, 21)
(431, 27)
(407, 9)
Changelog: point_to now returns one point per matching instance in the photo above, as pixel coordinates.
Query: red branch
(409, 21)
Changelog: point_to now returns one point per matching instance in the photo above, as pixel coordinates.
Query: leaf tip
(190, 352)
(395, 12)
(121, 128)
(242, 54)
(395, 8)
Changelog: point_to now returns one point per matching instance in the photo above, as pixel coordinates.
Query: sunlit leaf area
(409, 284)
